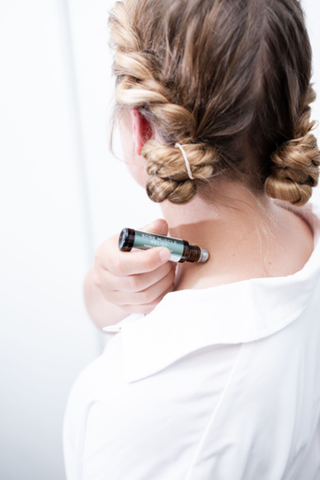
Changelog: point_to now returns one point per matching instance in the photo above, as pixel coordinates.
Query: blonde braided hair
(162, 53)
(139, 86)
(295, 164)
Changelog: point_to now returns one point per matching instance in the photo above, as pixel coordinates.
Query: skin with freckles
(247, 236)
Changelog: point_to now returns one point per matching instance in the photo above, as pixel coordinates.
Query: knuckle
(96, 279)
(119, 266)
(115, 297)
(145, 297)
(133, 283)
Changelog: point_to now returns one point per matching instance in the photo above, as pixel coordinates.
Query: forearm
(101, 312)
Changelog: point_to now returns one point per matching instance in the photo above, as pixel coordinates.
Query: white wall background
(61, 194)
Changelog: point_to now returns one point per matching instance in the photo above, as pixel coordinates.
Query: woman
(214, 375)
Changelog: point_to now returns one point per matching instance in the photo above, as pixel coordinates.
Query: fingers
(129, 263)
(159, 226)
(146, 308)
(142, 281)
(110, 257)
(135, 281)
(146, 296)
(107, 281)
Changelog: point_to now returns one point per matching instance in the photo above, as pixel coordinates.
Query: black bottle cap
(126, 239)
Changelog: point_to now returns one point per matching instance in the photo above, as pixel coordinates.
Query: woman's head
(229, 80)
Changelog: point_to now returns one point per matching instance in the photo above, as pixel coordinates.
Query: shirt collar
(187, 320)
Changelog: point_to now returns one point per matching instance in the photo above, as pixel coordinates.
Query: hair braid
(138, 86)
(208, 77)
(295, 164)
(168, 175)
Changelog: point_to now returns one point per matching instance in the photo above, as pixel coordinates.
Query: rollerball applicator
(181, 250)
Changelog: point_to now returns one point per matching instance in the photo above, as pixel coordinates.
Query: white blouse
(221, 383)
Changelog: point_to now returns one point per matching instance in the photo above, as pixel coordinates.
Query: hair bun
(168, 174)
(159, 189)
(294, 170)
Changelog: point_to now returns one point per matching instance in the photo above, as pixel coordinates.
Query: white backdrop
(61, 194)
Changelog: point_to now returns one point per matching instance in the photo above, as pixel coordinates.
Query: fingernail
(165, 254)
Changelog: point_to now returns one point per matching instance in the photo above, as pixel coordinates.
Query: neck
(229, 226)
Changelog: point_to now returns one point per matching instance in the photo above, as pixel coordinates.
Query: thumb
(159, 226)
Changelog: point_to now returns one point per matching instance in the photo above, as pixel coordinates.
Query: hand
(135, 281)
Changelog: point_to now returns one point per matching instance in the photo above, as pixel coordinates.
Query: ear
(142, 130)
